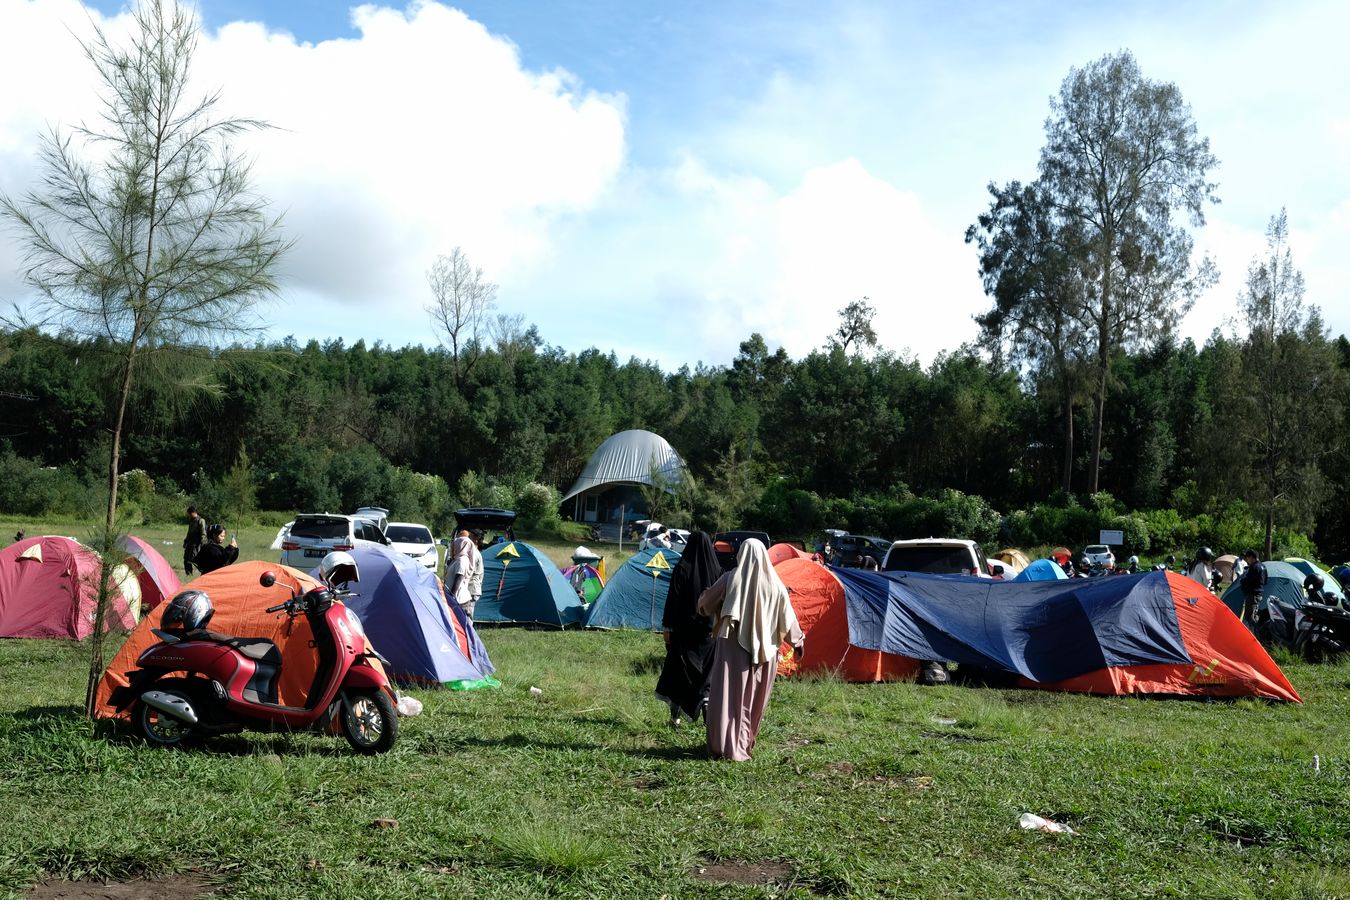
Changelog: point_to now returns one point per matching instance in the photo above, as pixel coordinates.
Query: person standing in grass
(459, 573)
(683, 684)
(196, 537)
(753, 617)
(475, 570)
(214, 554)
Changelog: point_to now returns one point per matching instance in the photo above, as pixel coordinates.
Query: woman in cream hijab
(459, 574)
(753, 617)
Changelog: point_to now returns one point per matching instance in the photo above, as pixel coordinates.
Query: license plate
(316, 553)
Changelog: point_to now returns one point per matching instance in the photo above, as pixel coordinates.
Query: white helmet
(1133, 560)
(339, 567)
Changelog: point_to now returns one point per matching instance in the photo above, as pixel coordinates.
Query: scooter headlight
(355, 621)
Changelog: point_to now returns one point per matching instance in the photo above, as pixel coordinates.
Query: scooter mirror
(268, 579)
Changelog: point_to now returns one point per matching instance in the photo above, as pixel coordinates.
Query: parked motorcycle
(1317, 630)
(231, 683)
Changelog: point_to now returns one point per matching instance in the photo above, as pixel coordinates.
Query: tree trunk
(1098, 415)
(1270, 531)
(1066, 482)
(105, 548)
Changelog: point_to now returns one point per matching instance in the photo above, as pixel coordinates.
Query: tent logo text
(1207, 675)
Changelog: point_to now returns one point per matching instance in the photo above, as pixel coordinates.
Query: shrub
(537, 507)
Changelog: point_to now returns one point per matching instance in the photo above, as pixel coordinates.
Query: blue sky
(663, 179)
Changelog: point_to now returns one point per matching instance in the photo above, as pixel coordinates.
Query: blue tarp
(1045, 631)
(635, 596)
(408, 621)
(521, 584)
(1042, 570)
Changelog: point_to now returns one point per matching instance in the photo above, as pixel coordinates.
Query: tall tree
(1121, 158)
(855, 327)
(157, 239)
(461, 301)
(1028, 266)
(1288, 402)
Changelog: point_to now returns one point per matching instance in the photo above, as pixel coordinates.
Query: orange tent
(239, 602)
(780, 552)
(1227, 661)
(818, 600)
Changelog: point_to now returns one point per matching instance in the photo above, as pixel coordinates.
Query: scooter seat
(256, 648)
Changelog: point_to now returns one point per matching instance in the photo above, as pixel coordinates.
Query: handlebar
(278, 608)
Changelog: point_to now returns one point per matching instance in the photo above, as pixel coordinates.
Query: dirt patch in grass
(744, 871)
(175, 887)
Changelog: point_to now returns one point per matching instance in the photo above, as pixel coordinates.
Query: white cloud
(422, 133)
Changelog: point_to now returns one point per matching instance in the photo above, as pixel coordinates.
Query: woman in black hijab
(683, 684)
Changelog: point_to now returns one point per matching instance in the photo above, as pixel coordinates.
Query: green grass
(582, 791)
(858, 790)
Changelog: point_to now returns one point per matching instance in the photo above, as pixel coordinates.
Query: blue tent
(1042, 570)
(425, 639)
(521, 584)
(635, 596)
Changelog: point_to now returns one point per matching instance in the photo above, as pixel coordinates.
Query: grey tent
(610, 485)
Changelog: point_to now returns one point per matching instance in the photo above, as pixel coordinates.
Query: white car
(414, 541)
(312, 536)
(1099, 555)
(937, 556)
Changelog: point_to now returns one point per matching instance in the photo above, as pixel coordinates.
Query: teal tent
(635, 596)
(521, 584)
(1283, 580)
(1330, 584)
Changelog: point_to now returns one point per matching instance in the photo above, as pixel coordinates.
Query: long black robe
(689, 654)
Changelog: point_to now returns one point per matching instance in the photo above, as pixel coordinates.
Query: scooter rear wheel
(160, 728)
(369, 721)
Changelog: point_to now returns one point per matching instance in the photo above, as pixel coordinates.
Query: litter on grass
(1033, 822)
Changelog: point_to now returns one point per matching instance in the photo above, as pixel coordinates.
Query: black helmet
(1313, 582)
(188, 610)
(214, 530)
(1205, 554)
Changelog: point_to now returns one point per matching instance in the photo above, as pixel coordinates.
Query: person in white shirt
(1200, 571)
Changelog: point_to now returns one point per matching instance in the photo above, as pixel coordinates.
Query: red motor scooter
(231, 682)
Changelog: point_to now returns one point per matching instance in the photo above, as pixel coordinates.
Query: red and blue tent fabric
(49, 589)
(1151, 633)
(635, 595)
(822, 613)
(522, 585)
(426, 639)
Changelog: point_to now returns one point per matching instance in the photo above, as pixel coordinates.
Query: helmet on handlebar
(1133, 561)
(189, 610)
(1313, 582)
(338, 567)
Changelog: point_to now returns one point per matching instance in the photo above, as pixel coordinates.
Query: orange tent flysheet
(818, 600)
(239, 601)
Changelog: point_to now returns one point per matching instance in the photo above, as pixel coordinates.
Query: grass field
(583, 791)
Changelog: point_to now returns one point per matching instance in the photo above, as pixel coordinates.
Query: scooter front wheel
(160, 728)
(369, 721)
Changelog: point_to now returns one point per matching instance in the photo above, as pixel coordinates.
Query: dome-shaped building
(610, 486)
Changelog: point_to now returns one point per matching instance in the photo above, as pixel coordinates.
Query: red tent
(157, 577)
(49, 588)
(818, 600)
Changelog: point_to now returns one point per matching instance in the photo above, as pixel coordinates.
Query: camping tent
(586, 580)
(407, 619)
(157, 578)
(1330, 583)
(521, 584)
(818, 600)
(635, 596)
(1013, 556)
(781, 551)
(49, 588)
(1284, 580)
(1151, 633)
(1224, 566)
(239, 602)
(1042, 570)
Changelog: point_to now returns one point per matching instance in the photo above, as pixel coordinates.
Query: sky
(662, 180)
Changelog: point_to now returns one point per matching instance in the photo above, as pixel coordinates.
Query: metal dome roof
(629, 457)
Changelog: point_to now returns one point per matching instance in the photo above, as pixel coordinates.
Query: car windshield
(1098, 549)
(320, 528)
(933, 560)
(408, 534)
